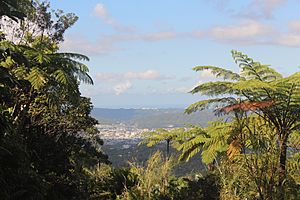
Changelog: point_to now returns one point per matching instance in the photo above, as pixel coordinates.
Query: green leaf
(37, 78)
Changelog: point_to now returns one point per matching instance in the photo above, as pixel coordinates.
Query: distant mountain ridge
(152, 118)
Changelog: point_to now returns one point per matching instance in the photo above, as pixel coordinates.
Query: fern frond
(294, 140)
(220, 72)
(61, 76)
(210, 103)
(76, 56)
(252, 85)
(214, 88)
(254, 70)
(37, 78)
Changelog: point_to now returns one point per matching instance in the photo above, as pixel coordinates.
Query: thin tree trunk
(168, 149)
(282, 166)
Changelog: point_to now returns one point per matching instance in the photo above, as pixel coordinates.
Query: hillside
(152, 118)
(122, 151)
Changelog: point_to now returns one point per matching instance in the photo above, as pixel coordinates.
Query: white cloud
(250, 32)
(121, 82)
(251, 9)
(107, 43)
(134, 36)
(182, 89)
(197, 34)
(292, 37)
(261, 8)
(159, 36)
(107, 76)
(82, 45)
(122, 87)
(268, 6)
(294, 25)
(146, 75)
(255, 33)
(94, 90)
(101, 12)
(173, 90)
(289, 39)
(206, 74)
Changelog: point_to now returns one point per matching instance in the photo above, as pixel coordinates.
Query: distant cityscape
(120, 132)
(125, 127)
(122, 129)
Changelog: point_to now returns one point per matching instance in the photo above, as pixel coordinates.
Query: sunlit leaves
(265, 114)
(61, 76)
(254, 70)
(37, 78)
(161, 135)
(215, 88)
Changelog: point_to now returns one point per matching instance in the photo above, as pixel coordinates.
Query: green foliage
(254, 70)
(198, 188)
(265, 116)
(154, 181)
(47, 137)
(220, 72)
(14, 9)
(49, 148)
(159, 135)
(249, 148)
(210, 103)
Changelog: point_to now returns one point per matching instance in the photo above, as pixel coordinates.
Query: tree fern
(37, 78)
(159, 135)
(210, 104)
(220, 72)
(254, 70)
(257, 89)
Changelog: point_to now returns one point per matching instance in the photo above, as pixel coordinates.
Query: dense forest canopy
(42, 112)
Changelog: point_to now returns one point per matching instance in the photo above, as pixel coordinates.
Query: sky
(142, 52)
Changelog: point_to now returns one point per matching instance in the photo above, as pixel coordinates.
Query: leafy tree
(246, 153)
(38, 24)
(152, 180)
(14, 9)
(159, 135)
(260, 90)
(47, 137)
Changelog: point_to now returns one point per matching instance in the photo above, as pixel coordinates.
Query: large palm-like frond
(254, 70)
(220, 72)
(215, 103)
(154, 137)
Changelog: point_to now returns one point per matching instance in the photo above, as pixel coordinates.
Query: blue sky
(142, 52)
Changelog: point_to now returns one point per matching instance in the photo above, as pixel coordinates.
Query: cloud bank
(249, 26)
(123, 81)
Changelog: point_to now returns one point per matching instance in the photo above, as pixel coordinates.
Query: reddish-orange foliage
(247, 106)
